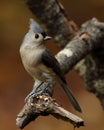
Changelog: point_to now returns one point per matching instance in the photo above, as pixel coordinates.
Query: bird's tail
(71, 96)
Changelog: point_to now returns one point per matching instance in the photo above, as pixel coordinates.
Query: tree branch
(52, 14)
(88, 40)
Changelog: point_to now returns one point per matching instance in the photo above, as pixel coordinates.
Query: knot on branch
(42, 105)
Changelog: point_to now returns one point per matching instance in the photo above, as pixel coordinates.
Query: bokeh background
(15, 83)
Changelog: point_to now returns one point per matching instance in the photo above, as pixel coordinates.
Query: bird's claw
(30, 95)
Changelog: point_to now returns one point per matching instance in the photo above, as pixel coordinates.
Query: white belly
(32, 63)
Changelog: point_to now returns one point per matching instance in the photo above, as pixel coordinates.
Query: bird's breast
(31, 58)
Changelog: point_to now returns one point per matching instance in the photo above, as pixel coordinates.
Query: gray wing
(50, 61)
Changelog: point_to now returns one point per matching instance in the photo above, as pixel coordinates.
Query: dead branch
(45, 105)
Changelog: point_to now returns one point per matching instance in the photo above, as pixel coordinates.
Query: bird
(39, 61)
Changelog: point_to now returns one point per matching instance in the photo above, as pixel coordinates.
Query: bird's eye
(36, 36)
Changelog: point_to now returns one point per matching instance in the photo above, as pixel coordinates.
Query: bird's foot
(37, 90)
(30, 95)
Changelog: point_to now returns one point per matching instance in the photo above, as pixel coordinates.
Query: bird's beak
(47, 38)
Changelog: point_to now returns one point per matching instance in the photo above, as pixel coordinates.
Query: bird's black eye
(36, 36)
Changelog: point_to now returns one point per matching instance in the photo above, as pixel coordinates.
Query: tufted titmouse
(40, 63)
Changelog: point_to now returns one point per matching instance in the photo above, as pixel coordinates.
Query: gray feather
(35, 27)
(71, 97)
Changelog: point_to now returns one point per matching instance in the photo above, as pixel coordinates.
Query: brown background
(15, 83)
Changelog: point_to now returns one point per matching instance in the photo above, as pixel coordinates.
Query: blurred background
(15, 83)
